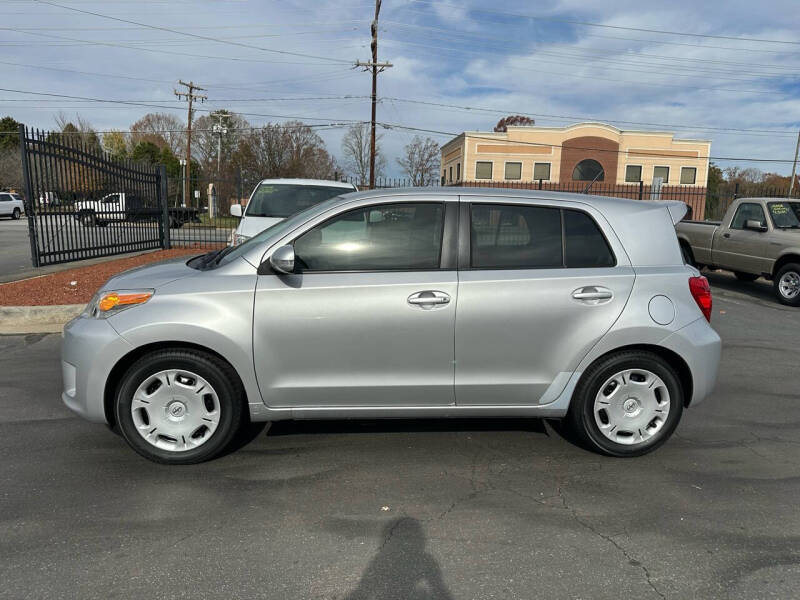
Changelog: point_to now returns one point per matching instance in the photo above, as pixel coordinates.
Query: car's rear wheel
(16, 214)
(745, 276)
(787, 284)
(180, 406)
(626, 404)
(88, 219)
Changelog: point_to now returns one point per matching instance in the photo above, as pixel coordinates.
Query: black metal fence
(80, 204)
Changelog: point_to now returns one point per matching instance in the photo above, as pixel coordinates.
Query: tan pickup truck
(759, 237)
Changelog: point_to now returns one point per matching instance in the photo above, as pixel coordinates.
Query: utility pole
(191, 97)
(376, 68)
(794, 165)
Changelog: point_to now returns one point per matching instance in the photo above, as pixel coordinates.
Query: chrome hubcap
(175, 410)
(789, 284)
(631, 406)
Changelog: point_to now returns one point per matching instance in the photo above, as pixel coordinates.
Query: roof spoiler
(677, 210)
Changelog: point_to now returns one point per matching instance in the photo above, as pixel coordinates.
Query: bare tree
(11, 170)
(162, 129)
(355, 148)
(78, 128)
(512, 120)
(290, 149)
(420, 161)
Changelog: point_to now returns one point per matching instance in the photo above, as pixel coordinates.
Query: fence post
(641, 190)
(28, 201)
(166, 243)
(736, 192)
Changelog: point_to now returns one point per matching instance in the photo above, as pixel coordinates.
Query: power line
(148, 105)
(542, 144)
(171, 52)
(583, 118)
(617, 27)
(192, 35)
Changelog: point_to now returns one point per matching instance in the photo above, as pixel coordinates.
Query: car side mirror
(754, 225)
(282, 260)
(236, 210)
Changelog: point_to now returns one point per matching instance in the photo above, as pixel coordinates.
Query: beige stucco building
(557, 155)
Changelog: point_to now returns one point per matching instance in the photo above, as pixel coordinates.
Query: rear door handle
(428, 299)
(593, 294)
(726, 235)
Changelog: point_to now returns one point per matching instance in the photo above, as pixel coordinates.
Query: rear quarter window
(585, 245)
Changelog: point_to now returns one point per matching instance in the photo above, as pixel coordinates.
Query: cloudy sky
(725, 70)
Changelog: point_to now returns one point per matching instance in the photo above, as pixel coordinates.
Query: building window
(443, 179)
(483, 170)
(458, 171)
(588, 170)
(662, 172)
(451, 174)
(541, 171)
(513, 170)
(688, 175)
(633, 174)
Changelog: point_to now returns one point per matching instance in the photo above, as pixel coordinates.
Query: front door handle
(593, 294)
(428, 299)
(726, 235)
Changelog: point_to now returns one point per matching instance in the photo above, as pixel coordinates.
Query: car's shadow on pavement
(281, 428)
(760, 289)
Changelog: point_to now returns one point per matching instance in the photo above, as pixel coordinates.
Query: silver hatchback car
(406, 303)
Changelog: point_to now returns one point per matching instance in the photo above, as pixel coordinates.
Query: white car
(11, 205)
(275, 199)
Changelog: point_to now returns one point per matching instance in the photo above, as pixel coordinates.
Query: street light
(183, 180)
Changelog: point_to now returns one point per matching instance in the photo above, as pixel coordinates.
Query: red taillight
(701, 292)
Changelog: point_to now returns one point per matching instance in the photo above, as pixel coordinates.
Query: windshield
(276, 231)
(785, 215)
(283, 200)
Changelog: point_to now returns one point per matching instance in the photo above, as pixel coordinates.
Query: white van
(275, 199)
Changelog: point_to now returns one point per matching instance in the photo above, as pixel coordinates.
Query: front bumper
(701, 348)
(89, 350)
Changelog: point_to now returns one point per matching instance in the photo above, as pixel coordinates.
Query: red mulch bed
(78, 285)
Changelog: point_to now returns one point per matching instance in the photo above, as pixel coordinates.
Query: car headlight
(238, 238)
(110, 302)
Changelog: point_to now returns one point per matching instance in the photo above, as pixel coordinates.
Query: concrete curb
(37, 319)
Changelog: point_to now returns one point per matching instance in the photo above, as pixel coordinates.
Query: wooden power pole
(794, 166)
(376, 68)
(190, 95)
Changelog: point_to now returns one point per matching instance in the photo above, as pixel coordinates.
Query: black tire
(745, 276)
(581, 421)
(219, 374)
(88, 219)
(787, 269)
(173, 223)
(16, 214)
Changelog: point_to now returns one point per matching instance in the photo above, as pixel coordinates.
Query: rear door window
(508, 236)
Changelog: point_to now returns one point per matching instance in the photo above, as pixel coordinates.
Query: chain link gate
(82, 204)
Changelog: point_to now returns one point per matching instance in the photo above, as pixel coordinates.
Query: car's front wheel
(787, 284)
(16, 214)
(180, 406)
(626, 404)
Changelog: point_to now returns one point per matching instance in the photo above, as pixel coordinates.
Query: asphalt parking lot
(416, 509)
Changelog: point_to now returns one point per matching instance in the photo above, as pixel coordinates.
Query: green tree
(715, 180)
(9, 133)
(116, 144)
(146, 152)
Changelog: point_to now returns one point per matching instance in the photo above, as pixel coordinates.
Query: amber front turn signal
(117, 299)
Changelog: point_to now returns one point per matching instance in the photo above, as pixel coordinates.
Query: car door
(539, 284)
(741, 249)
(368, 319)
(6, 205)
